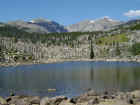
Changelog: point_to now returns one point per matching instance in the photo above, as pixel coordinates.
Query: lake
(69, 78)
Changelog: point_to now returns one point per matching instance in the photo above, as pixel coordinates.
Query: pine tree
(91, 51)
(117, 49)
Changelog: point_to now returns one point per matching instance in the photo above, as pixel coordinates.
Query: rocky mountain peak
(106, 18)
(39, 25)
(104, 23)
(42, 25)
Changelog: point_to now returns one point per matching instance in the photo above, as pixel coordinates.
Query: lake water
(69, 78)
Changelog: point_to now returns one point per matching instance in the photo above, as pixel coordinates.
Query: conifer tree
(117, 49)
(91, 50)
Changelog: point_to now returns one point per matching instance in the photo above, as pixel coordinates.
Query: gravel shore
(88, 98)
(68, 60)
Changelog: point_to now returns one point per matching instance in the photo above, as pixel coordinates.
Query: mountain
(1, 24)
(51, 26)
(38, 25)
(41, 25)
(105, 23)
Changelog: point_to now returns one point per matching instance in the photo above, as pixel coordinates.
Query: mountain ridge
(104, 23)
(41, 25)
(38, 25)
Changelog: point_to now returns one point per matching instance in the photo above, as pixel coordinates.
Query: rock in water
(51, 90)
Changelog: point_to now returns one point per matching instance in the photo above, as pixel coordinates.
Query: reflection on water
(69, 78)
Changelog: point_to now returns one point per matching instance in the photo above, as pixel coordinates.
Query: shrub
(135, 49)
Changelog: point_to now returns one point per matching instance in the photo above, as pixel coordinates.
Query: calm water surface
(69, 78)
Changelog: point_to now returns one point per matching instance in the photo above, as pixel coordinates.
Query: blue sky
(68, 11)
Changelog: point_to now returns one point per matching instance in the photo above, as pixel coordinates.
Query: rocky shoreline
(88, 98)
(70, 60)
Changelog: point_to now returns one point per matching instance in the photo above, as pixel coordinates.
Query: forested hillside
(121, 41)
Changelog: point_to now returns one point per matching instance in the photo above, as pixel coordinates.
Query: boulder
(73, 100)
(19, 100)
(45, 101)
(121, 96)
(52, 101)
(91, 93)
(114, 102)
(84, 103)
(2, 101)
(93, 101)
(35, 100)
(131, 101)
(135, 94)
(66, 102)
(8, 99)
(35, 104)
(85, 98)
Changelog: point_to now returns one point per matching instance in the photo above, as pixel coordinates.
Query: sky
(68, 11)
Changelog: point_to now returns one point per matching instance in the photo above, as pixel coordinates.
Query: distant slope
(129, 25)
(39, 26)
(105, 23)
(43, 26)
(1, 24)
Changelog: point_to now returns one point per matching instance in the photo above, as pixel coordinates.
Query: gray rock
(73, 100)
(131, 101)
(135, 94)
(66, 102)
(45, 101)
(52, 101)
(2, 101)
(115, 102)
(91, 93)
(35, 100)
(23, 100)
(93, 101)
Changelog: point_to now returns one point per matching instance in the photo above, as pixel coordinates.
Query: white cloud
(132, 13)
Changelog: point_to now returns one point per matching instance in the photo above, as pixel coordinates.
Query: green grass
(135, 49)
(107, 40)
